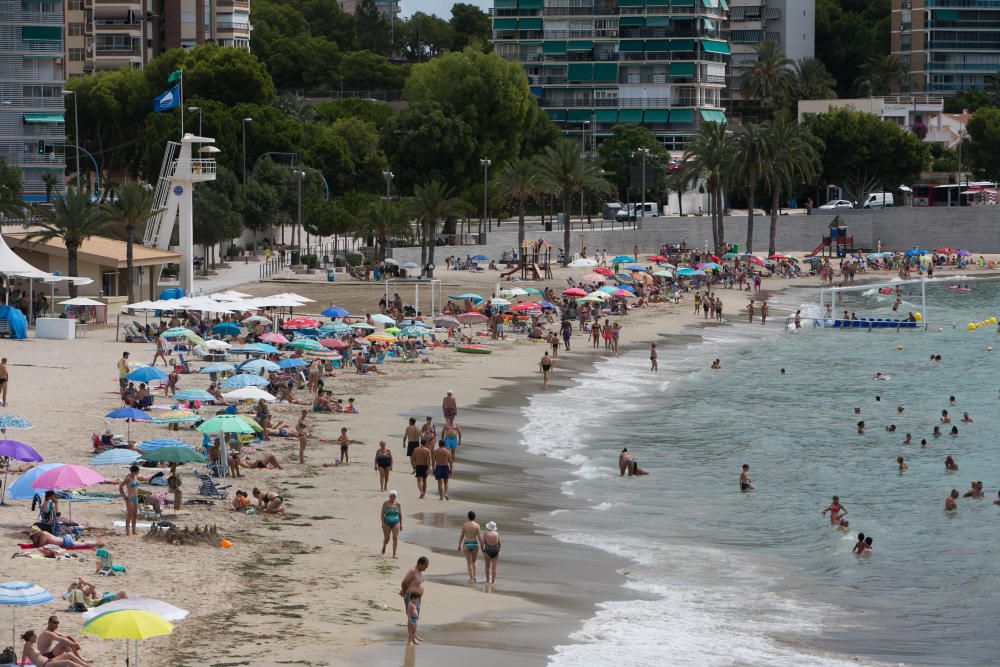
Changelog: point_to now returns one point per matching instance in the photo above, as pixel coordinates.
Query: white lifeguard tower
(172, 201)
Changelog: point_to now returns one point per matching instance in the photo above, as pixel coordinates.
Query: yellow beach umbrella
(128, 624)
(381, 337)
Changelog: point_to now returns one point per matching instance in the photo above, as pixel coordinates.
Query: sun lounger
(107, 565)
(208, 487)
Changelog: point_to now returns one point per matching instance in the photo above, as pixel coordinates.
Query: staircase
(153, 236)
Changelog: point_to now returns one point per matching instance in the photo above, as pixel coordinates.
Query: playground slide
(822, 245)
(511, 272)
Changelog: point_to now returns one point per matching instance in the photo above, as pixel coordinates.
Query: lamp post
(299, 177)
(388, 176)
(642, 211)
(76, 133)
(486, 176)
(243, 123)
(198, 109)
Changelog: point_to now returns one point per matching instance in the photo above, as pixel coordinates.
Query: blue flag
(168, 100)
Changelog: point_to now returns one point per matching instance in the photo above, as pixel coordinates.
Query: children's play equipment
(534, 261)
(838, 244)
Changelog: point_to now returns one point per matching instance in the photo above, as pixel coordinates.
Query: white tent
(81, 301)
(12, 264)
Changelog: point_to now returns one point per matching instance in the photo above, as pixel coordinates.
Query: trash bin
(331, 277)
(296, 256)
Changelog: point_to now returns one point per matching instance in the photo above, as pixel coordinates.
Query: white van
(879, 200)
(633, 211)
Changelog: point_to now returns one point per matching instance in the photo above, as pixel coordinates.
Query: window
(187, 17)
(77, 55)
(41, 91)
(74, 5)
(76, 30)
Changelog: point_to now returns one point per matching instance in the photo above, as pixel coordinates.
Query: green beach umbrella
(175, 455)
(305, 344)
(229, 424)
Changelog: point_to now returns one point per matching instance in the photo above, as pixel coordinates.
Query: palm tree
(518, 182)
(74, 219)
(881, 73)
(812, 81)
(709, 154)
(769, 81)
(564, 171)
(130, 211)
(751, 152)
(383, 220)
(51, 181)
(793, 159)
(430, 203)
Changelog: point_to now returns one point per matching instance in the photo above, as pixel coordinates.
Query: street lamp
(243, 123)
(299, 177)
(388, 176)
(486, 175)
(76, 132)
(643, 152)
(198, 109)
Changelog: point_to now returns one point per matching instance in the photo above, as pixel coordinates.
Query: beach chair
(106, 566)
(208, 487)
(183, 364)
(380, 358)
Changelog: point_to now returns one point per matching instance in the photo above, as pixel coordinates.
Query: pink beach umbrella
(593, 278)
(276, 338)
(67, 476)
(574, 291)
(333, 343)
(472, 318)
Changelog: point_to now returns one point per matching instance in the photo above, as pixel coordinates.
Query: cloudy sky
(440, 7)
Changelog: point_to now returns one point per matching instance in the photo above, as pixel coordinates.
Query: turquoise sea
(729, 578)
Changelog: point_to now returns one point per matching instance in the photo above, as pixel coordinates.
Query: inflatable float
(474, 349)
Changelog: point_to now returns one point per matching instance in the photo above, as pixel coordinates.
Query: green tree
(112, 109)
(983, 152)
(811, 81)
(11, 204)
(709, 155)
(259, 205)
(377, 113)
(768, 80)
(423, 142)
(364, 70)
(72, 219)
(385, 220)
(230, 76)
(432, 202)
(129, 211)
(793, 160)
(51, 182)
(564, 171)
(470, 25)
(749, 168)
(881, 74)
(517, 183)
(424, 36)
(617, 154)
(848, 33)
(372, 27)
(369, 161)
(217, 221)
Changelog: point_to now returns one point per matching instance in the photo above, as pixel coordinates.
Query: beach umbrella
(593, 278)
(13, 421)
(337, 327)
(635, 267)
(623, 258)
(963, 253)
(472, 318)
(410, 265)
(335, 311)
(497, 301)
(658, 258)
(158, 607)
(574, 291)
(515, 291)
(146, 374)
(229, 424)
(256, 319)
(291, 363)
(589, 299)
(18, 451)
(272, 337)
(664, 273)
(686, 271)
(263, 348)
(128, 624)
(415, 332)
(467, 295)
(583, 262)
(730, 255)
(174, 454)
(21, 594)
(305, 344)
(217, 345)
(129, 415)
(244, 380)
(446, 321)
(115, 457)
(624, 293)
(181, 332)
(607, 289)
(479, 258)
(21, 488)
(322, 355)
(176, 417)
(525, 306)
(150, 445)
(911, 253)
(381, 337)
(258, 365)
(411, 323)
(227, 329)
(604, 271)
(709, 266)
(217, 368)
(383, 319)
(67, 476)
(194, 395)
(302, 323)
(363, 326)
(249, 394)
(332, 344)
(777, 255)
(392, 331)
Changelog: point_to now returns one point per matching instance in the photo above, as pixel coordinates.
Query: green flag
(176, 74)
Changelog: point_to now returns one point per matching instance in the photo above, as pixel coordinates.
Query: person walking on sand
(4, 381)
(421, 461)
(546, 365)
(452, 436)
(750, 312)
(652, 358)
(491, 551)
(302, 431)
(391, 518)
(469, 538)
(161, 351)
(442, 469)
(449, 406)
(129, 490)
(123, 371)
(763, 313)
(411, 438)
(413, 581)
(567, 331)
(383, 465)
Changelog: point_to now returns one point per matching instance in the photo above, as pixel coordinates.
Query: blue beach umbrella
(193, 395)
(911, 253)
(635, 267)
(468, 295)
(291, 363)
(335, 311)
(546, 305)
(263, 347)
(217, 368)
(21, 594)
(258, 365)
(688, 272)
(623, 258)
(479, 258)
(13, 421)
(21, 489)
(146, 374)
(113, 457)
(227, 329)
(130, 415)
(151, 445)
(245, 380)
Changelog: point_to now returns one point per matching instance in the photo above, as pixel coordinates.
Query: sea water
(730, 578)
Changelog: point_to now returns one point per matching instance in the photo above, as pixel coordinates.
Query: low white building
(904, 110)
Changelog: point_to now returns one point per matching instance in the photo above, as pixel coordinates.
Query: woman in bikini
(391, 518)
(269, 502)
(383, 465)
(836, 510)
(468, 543)
(129, 490)
(491, 551)
(30, 655)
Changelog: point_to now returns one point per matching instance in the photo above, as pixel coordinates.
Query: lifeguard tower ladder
(172, 202)
(838, 244)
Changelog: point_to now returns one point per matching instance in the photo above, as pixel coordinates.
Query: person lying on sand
(262, 461)
(41, 538)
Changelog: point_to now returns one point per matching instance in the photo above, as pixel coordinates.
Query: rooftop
(97, 249)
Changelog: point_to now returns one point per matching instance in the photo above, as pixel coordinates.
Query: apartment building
(110, 34)
(593, 64)
(32, 111)
(947, 45)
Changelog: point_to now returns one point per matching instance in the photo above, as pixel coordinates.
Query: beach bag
(7, 656)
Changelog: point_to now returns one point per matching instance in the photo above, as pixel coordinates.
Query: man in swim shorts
(452, 436)
(449, 406)
(411, 438)
(421, 461)
(442, 469)
(413, 580)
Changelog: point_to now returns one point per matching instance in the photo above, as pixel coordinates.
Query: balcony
(105, 26)
(15, 15)
(233, 4)
(117, 50)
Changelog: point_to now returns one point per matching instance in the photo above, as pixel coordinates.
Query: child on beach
(343, 441)
(412, 616)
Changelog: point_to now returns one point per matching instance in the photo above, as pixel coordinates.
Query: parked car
(633, 211)
(879, 200)
(835, 204)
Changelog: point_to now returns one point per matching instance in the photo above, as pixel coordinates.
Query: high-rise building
(593, 64)
(111, 34)
(946, 45)
(32, 111)
(790, 23)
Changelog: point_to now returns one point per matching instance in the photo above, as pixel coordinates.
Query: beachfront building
(946, 45)
(32, 116)
(111, 34)
(593, 64)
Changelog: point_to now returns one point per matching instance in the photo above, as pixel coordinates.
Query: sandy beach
(311, 587)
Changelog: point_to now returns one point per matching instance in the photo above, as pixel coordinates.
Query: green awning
(657, 21)
(714, 46)
(606, 116)
(580, 45)
(682, 116)
(505, 4)
(724, 4)
(606, 72)
(630, 115)
(553, 48)
(682, 45)
(631, 3)
(43, 118)
(945, 14)
(652, 116)
(505, 24)
(556, 115)
(529, 24)
(38, 33)
(681, 69)
(529, 4)
(630, 46)
(581, 72)
(657, 3)
(682, 3)
(578, 115)
(530, 43)
(657, 45)
(713, 115)
(630, 22)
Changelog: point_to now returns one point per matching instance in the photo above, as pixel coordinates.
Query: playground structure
(534, 261)
(837, 244)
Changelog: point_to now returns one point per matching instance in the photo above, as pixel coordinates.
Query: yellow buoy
(918, 317)
(970, 326)
(992, 320)
(899, 347)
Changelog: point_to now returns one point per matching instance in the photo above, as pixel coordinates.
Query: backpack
(7, 656)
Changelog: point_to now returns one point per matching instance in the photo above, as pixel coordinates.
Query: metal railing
(273, 265)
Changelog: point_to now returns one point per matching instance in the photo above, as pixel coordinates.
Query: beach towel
(73, 548)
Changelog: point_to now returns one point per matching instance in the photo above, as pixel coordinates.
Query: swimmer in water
(880, 376)
(937, 432)
(950, 464)
(716, 365)
(966, 418)
(628, 463)
(857, 410)
(997, 501)
(867, 551)
(899, 409)
(923, 443)
(945, 418)
(782, 371)
(836, 510)
(975, 490)
(844, 526)
(891, 428)
(908, 440)
(950, 503)
(902, 464)
(954, 431)
(878, 399)
(859, 546)
(861, 428)
(951, 400)
(745, 484)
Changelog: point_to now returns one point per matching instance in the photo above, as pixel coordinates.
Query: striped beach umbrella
(217, 368)
(115, 457)
(22, 594)
(322, 354)
(13, 421)
(193, 395)
(151, 445)
(244, 380)
(176, 417)
(305, 344)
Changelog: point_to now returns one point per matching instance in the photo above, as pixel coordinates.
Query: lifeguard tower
(534, 261)
(838, 244)
(172, 202)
